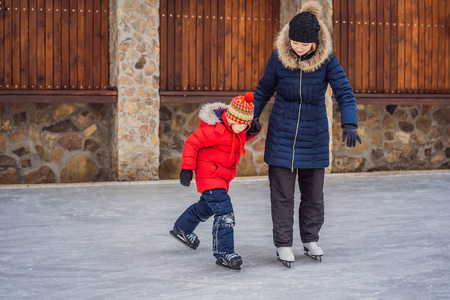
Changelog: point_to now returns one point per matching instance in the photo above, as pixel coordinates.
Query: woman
(300, 70)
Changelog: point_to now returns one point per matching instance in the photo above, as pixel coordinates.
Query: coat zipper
(298, 121)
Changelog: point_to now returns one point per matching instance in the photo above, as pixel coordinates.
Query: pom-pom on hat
(241, 109)
(304, 28)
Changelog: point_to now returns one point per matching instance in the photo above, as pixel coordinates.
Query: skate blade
(228, 268)
(314, 257)
(287, 264)
(175, 236)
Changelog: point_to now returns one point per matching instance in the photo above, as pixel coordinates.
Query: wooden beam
(59, 96)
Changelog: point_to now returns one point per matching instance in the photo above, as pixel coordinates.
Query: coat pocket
(222, 172)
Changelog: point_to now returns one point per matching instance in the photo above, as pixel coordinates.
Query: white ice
(384, 237)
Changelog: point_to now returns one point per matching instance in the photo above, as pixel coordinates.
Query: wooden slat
(401, 47)
(358, 46)
(428, 45)
(366, 46)
(415, 46)
(441, 52)
(2, 45)
(422, 45)
(8, 44)
(192, 44)
(105, 44)
(24, 44)
(49, 44)
(394, 48)
(207, 45)
(269, 31)
(185, 46)
(379, 24)
(57, 44)
(40, 47)
(178, 45)
(255, 44)
(276, 18)
(73, 25)
(351, 43)
(435, 49)
(408, 47)
(248, 45)
(228, 44)
(89, 42)
(344, 35)
(337, 27)
(221, 46)
(163, 44)
(97, 46)
(200, 44)
(261, 41)
(214, 37)
(234, 45)
(171, 46)
(16, 44)
(373, 47)
(447, 47)
(387, 47)
(65, 44)
(241, 49)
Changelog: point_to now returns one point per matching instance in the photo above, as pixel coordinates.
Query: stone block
(3, 143)
(63, 110)
(71, 142)
(79, 169)
(9, 176)
(43, 175)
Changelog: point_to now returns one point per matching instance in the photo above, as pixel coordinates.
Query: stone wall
(395, 137)
(135, 69)
(54, 143)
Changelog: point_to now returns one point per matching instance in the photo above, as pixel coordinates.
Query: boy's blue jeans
(212, 202)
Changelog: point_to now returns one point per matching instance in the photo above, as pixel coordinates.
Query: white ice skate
(313, 250)
(285, 256)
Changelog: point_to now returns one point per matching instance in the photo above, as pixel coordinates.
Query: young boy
(213, 152)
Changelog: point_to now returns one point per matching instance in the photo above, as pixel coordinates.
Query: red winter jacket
(213, 151)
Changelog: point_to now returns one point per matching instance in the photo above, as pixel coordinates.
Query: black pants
(311, 211)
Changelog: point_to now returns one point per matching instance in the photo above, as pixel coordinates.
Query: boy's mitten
(350, 131)
(186, 177)
(255, 127)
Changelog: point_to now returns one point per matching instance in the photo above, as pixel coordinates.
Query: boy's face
(238, 128)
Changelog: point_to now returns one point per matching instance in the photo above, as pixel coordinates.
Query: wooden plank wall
(394, 46)
(54, 44)
(213, 45)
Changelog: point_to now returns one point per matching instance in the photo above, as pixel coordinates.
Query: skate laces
(191, 237)
(230, 256)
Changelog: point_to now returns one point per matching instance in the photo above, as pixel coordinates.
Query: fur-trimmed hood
(324, 48)
(208, 112)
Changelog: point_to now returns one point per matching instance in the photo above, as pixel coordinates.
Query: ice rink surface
(384, 237)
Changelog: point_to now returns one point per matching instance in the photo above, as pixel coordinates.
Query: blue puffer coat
(297, 135)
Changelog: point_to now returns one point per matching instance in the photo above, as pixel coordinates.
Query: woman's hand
(349, 131)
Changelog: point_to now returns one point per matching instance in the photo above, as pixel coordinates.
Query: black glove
(185, 177)
(350, 131)
(255, 127)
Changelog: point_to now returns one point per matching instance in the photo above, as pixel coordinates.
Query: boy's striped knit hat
(241, 109)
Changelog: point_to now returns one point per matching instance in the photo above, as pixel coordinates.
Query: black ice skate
(313, 251)
(189, 240)
(230, 262)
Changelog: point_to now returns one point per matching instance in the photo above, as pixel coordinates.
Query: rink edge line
(241, 178)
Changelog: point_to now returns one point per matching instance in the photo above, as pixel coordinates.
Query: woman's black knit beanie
(304, 28)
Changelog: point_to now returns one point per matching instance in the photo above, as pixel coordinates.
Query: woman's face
(301, 48)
